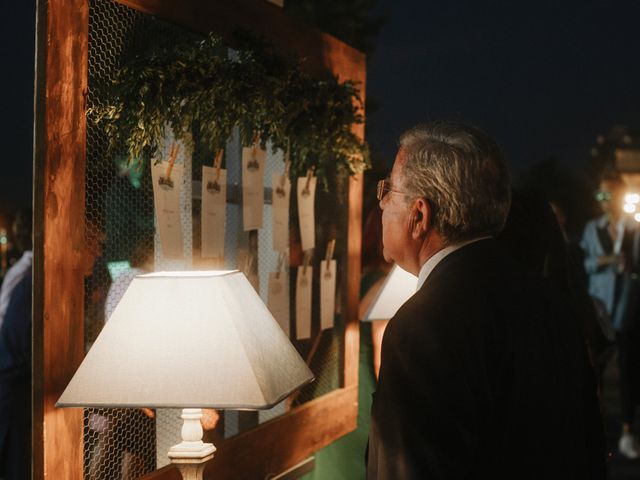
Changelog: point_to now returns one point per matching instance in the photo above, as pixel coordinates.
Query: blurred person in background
(23, 243)
(15, 358)
(610, 243)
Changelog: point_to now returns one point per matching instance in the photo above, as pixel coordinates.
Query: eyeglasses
(384, 186)
(603, 196)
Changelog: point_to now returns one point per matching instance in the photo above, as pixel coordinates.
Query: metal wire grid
(123, 443)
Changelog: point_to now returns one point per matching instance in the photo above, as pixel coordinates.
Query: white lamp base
(191, 455)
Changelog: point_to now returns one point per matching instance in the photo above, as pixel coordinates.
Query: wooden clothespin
(283, 179)
(254, 151)
(173, 154)
(306, 262)
(252, 164)
(217, 163)
(214, 187)
(305, 190)
(328, 256)
(281, 263)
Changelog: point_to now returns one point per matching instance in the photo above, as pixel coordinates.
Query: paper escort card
(306, 217)
(303, 302)
(327, 294)
(166, 201)
(281, 188)
(278, 299)
(252, 187)
(214, 204)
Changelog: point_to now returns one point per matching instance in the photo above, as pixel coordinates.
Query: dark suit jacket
(484, 375)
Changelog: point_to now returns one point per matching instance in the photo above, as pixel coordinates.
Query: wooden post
(60, 143)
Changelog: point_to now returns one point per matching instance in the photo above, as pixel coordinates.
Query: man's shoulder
(474, 281)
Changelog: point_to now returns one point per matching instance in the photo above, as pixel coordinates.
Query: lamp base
(191, 471)
(191, 455)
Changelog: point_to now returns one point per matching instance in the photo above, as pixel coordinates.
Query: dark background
(543, 77)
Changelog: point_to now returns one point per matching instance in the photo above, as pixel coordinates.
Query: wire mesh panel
(121, 242)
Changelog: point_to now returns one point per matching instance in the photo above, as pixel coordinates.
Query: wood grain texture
(59, 216)
(281, 443)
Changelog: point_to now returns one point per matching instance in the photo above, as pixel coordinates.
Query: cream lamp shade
(189, 340)
(397, 288)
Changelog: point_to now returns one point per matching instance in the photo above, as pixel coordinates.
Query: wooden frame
(60, 156)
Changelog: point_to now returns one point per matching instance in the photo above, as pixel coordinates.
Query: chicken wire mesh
(121, 241)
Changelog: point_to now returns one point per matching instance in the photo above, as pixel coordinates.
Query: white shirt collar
(434, 260)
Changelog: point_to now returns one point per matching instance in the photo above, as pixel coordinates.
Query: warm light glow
(189, 274)
(636, 217)
(398, 287)
(632, 198)
(629, 207)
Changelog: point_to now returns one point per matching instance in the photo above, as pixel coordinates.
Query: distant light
(629, 207)
(594, 152)
(3, 240)
(632, 198)
(636, 217)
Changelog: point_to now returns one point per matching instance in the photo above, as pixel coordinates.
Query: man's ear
(421, 220)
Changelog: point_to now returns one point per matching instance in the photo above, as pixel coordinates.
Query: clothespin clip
(248, 263)
(281, 263)
(329, 255)
(307, 260)
(253, 164)
(305, 190)
(214, 187)
(283, 178)
(165, 181)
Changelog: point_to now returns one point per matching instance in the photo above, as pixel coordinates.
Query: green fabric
(344, 458)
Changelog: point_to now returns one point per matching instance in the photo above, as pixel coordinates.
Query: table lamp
(398, 287)
(189, 340)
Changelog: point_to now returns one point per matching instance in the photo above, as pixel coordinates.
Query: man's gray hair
(463, 175)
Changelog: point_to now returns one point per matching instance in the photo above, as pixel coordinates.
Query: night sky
(543, 77)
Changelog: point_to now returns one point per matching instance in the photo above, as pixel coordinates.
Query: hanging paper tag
(166, 200)
(278, 300)
(306, 217)
(281, 188)
(252, 187)
(327, 294)
(303, 302)
(214, 202)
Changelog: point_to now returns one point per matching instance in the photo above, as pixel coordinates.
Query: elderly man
(484, 373)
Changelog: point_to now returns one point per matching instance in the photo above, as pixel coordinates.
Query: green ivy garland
(197, 87)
